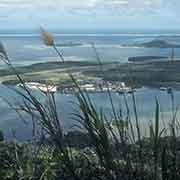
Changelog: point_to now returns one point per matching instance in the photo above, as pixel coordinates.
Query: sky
(90, 14)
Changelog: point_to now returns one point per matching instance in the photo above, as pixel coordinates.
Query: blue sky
(90, 14)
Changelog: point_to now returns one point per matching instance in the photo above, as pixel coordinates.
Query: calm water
(29, 49)
(25, 49)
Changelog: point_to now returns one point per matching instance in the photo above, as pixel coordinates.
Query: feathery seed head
(47, 38)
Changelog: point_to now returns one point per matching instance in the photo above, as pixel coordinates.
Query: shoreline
(145, 73)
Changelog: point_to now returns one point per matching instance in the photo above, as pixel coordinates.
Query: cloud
(84, 5)
(84, 11)
(74, 3)
(40, 3)
(109, 7)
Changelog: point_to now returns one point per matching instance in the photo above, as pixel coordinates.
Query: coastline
(144, 73)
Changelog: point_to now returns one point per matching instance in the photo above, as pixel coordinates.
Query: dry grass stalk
(47, 38)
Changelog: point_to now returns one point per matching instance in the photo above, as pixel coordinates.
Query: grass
(102, 149)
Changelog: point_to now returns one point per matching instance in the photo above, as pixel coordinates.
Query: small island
(146, 58)
(156, 43)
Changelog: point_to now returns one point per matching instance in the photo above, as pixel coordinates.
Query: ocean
(24, 49)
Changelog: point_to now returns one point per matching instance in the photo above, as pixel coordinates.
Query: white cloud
(116, 2)
(35, 11)
(74, 3)
(46, 3)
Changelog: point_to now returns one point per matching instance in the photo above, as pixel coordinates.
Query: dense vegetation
(103, 149)
(160, 73)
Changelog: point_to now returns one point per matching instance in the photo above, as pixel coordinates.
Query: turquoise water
(29, 49)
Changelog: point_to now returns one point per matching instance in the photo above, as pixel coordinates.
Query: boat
(88, 87)
(124, 89)
(163, 88)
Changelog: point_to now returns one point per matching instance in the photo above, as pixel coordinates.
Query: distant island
(146, 58)
(155, 44)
